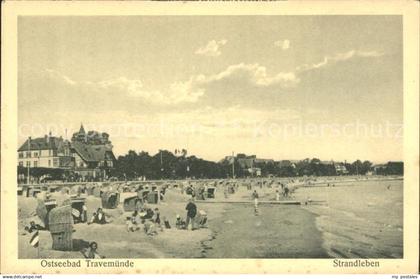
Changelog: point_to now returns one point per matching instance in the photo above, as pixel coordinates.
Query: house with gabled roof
(45, 152)
(92, 156)
(88, 154)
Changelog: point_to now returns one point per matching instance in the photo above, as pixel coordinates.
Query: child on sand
(202, 218)
(34, 227)
(179, 223)
(150, 228)
(129, 224)
(166, 222)
(277, 195)
(133, 222)
(92, 253)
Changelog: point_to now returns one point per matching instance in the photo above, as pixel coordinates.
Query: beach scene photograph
(239, 137)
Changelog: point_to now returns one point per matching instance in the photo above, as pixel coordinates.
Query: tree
(286, 171)
(366, 167)
(357, 167)
(395, 168)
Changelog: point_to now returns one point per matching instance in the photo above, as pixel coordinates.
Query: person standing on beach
(286, 191)
(191, 213)
(255, 197)
(277, 195)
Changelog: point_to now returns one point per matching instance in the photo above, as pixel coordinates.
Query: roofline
(84, 159)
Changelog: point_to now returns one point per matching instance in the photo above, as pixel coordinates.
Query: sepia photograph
(181, 136)
(190, 137)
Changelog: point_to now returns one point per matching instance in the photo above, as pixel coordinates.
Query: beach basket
(41, 212)
(97, 191)
(75, 190)
(110, 199)
(211, 192)
(201, 194)
(130, 201)
(153, 197)
(44, 208)
(65, 190)
(52, 189)
(34, 192)
(27, 191)
(61, 228)
(142, 194)
(89, 191)
(231, 190)
(79, 216)
(50, 204)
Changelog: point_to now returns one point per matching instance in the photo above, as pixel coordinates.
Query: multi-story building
(88, 155)
(45, 152)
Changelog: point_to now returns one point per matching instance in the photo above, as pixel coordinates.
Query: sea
(359, 219)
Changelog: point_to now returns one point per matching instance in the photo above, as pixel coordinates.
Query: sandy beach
(285, 231)
(233, 231)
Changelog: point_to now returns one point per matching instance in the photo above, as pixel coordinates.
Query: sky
(282, 87)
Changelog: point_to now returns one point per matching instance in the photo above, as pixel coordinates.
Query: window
(28, 163)
(55, 162)
(28, 154)
(20, 163)
(49, 163)
(35, 154)
(49, 152)
(20, 155)
(35, 164)
(81, 164)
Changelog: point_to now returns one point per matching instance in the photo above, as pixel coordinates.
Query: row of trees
(166, 165)
(314, 167)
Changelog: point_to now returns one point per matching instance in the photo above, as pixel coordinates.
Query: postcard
(210, 137)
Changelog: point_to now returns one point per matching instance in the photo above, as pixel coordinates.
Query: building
(287, 164)
(340, 168)
(88, 156)
(264, 161)
(92, 160)
(246, 162)
(45, 152)
(92, 153)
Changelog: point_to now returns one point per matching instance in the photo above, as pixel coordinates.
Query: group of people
(255, 196)
(285, 193)
(148, 218)
(152, 222)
